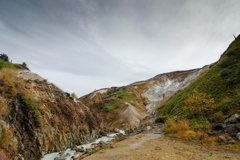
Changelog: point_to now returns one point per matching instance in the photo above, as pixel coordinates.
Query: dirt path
(157, 147)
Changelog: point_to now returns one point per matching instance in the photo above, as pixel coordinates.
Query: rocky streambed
(77, 151)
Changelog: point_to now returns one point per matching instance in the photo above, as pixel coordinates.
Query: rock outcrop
(44, 119)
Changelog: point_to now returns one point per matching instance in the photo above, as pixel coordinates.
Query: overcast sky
(83, 45)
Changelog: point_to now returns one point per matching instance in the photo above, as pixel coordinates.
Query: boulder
(73, 147)
(112, 146)
(220, 133)
(79, 149)
(238, 136)
(101, 144)
(233, 119)
(116, 130)
(61, 153)
(65, 157)
(238, 126)
(232, 130)
(232, 141)
(218, 126)
(222, 139)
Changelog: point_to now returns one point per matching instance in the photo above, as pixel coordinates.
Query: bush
(74, 95)
(224, 73)
(218, 117)
(199, 104)
(231, 53)
(238, 92)
(232, 81)
(32, 106)
(178, 128)
(161, 119)
(4, 57)
(200, 124)
(225, 64)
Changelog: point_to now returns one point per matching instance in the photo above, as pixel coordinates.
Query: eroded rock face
(146, 96)
(56, 122)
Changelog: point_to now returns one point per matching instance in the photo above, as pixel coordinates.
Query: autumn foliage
(199, 103)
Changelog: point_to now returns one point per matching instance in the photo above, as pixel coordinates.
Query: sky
(86, 45)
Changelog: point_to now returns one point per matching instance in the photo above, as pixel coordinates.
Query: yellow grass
(4, 109)
(147, 123)
(9, 82)
(27, 94)
(74, 95)
(84, 128)
(179, 127)
(7, 140)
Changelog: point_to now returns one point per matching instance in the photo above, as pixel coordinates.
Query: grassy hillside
(4, 64)
(119, 96)
(221, 83)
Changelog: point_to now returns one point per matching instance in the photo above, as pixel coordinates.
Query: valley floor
(158, 147)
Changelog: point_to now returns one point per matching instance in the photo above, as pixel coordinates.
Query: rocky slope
(124, 107)
(37, 117)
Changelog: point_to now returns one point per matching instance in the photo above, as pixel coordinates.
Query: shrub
(238, 92)
(200, 124)
(225, 63)
(232, 81)
(74, 95)
(33, 107)
(217, 117)
(172, 126)
(161, 119)
(4, 57)
(225, 73)
(231, 53)
(199, 103)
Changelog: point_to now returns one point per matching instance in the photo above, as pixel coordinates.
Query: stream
(107, 138)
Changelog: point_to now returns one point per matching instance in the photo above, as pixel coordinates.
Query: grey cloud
(115, 42)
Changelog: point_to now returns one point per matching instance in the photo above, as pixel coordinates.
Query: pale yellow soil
(157, 147)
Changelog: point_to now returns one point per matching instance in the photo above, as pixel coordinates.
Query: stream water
(109, 137)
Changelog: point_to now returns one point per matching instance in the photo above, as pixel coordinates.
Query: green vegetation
(4, 57)
(221, 83)
(118, 97)
(96, 150)
(33, 107)
(161, 119)
(4, 63)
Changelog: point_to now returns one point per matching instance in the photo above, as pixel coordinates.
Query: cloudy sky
(83, 45)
